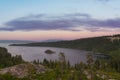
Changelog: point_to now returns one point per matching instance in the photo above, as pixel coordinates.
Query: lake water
(33, 53)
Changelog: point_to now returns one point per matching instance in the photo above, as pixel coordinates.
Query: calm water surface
(32, 53)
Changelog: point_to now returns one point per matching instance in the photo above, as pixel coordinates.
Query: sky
(40, 20)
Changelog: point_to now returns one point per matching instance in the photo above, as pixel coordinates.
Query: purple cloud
(66, 22)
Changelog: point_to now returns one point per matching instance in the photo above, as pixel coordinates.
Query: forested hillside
(104, 44)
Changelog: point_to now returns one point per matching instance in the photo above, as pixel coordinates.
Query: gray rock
(24, 70)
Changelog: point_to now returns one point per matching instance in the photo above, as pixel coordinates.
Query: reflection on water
(32, 53)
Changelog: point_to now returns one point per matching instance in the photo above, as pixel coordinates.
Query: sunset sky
(40, 20)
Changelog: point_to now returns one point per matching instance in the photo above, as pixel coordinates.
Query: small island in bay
(48, 51)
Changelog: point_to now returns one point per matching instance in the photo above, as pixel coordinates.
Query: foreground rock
(24, 70)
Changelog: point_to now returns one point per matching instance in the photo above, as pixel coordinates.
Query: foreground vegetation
(62, 70)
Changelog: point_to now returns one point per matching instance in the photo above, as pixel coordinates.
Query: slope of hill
(52, 40)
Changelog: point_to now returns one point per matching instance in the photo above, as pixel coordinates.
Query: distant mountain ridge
(27, 41)
(15, 41)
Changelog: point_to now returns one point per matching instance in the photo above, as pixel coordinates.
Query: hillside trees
(6, 59)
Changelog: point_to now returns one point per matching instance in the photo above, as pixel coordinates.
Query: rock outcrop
(24, 70)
